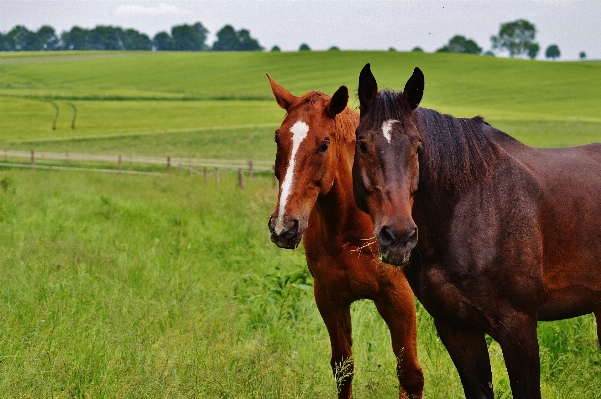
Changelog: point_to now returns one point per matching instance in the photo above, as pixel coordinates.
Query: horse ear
(414, 89)
(368, 89)
(283, 97)
(338, 102)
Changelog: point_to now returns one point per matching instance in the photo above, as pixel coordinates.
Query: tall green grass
(123, 286)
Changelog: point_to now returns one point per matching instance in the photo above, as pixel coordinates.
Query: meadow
(165, 286)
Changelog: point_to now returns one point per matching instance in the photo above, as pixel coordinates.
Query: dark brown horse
(508, 234)
(315, 147)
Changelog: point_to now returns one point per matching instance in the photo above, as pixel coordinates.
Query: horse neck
(458, 154)
(337, 208)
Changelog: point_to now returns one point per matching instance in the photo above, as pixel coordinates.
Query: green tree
(202, 33)
(134, 40)
(552, 52)
(162, 41)
(582, 55)
(459, 44)
(247, 43)
(48, 38)
(105, 38)
(276, 48)
(417, 49)
(227, 39)
(517, 38)
(20, 38)
(189, 38)
(334, 48)
(304, 47)
(230, 40)
(76, 39)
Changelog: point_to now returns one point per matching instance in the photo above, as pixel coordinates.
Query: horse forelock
(456, 151)
(346, 121)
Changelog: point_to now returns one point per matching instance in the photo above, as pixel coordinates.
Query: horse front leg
(469, 352)
(397, 308)
(519, 343)
(337, 319)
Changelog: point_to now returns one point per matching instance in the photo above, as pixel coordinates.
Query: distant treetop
(304, 47)
(417, 49)
(229, 39)
(517, 38)
(459, 44)
(552, 52)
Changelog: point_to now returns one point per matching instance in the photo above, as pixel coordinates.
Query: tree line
(517, 38)
(181, 38)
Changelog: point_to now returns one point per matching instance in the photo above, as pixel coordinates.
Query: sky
(573, 25)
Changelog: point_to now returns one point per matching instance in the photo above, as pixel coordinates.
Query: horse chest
(345, 273)
(444, 298)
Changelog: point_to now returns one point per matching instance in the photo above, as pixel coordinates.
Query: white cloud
(161, 9)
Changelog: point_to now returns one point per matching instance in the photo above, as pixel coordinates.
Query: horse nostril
(386, 236)
(409, 237)
(293, 228)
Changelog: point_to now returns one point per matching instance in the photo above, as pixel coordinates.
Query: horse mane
(346, 124)
(456, 151)
(346, 121)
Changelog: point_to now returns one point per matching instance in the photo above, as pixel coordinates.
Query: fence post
(204, 174)
(217, 175)
(240, 178)
(168, 164)
(119, 163)
(250, 168)
(275, 179)
(32, 159)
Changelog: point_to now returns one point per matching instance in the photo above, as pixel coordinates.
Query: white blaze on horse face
(299, 131)
(387, 127)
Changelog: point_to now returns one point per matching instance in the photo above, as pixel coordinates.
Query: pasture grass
(162, 286)
(129, 286)
(123, 93)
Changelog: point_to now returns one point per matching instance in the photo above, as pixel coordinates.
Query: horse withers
(315, 147)
(493, 235)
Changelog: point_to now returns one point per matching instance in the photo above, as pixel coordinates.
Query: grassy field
(162, 286)
(127, 286)
(121, 93)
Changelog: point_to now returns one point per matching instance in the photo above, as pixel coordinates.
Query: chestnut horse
(315, 147)
(508, 234)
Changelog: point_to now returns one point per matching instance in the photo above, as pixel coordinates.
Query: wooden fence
(115, 164)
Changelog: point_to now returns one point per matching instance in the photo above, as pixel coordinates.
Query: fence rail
(232, 164)
(99, 163)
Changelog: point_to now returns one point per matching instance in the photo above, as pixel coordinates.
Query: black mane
(456, 151)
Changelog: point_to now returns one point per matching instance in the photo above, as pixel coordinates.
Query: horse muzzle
(285, 233)
(395, 245)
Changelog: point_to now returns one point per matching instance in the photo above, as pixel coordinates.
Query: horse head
(386, 165)
(306, 157)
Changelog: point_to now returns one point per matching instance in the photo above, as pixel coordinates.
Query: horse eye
(362, 147)
(324, 146)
